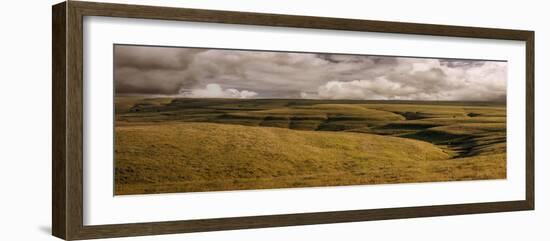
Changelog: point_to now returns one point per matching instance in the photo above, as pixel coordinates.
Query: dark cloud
(153, 70)
(260, 74)
(461, 63)
(153, 58)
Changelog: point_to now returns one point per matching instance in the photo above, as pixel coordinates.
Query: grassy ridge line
(427, 121)
(183, 157)
(473, 135)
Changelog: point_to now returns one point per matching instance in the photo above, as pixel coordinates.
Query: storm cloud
(217, 73)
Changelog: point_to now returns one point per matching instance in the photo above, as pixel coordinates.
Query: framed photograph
(171, 120)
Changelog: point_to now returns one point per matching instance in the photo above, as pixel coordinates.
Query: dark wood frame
(67, 166)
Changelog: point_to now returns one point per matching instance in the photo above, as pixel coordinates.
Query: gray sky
(215, 73)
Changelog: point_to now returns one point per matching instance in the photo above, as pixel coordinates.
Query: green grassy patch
(184, 145)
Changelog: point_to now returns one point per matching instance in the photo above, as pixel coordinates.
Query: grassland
(184, 145)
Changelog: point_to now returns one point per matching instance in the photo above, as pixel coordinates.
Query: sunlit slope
(324, 115)
(465, 130)
(462, 129)
(300, 115)
(181, 157)
(327, 117)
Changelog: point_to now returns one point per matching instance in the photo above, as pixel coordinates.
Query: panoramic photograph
(204, 119)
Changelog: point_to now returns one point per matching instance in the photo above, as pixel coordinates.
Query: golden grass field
(188, 145)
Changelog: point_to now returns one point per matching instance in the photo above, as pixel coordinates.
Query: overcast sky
(215, 73)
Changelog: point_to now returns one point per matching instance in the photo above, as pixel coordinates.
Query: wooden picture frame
(67, 156)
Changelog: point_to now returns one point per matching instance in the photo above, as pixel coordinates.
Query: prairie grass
(188, 145)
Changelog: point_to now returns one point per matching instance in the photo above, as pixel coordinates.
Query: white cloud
(425, 80)
(307, 95)
(153, 70)
(377, 89)
(216, 91)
